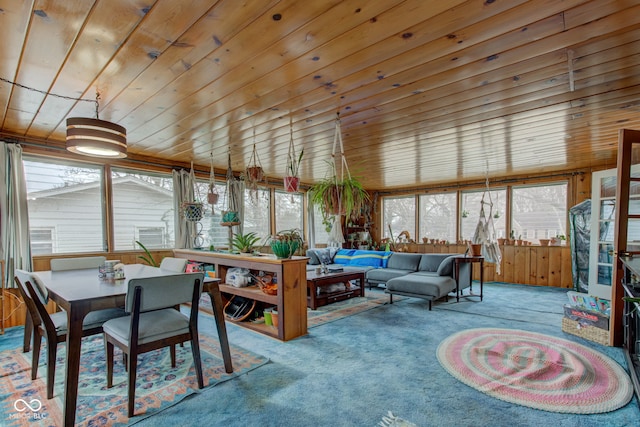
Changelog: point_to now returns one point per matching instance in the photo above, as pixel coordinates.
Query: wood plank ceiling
(428, 91)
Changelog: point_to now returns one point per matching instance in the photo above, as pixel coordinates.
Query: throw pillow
(313, 257)
(343, 256)
(324, 255)
(446, 266)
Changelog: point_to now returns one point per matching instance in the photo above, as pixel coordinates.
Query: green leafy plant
(339, 197)
(293, 165)
(285, 243)
(147, 257)
(245, 243)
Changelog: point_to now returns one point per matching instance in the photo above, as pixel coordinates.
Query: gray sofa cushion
(421, 286)
(431, 262)
(446, 266)
(403, 261)
(381, 275)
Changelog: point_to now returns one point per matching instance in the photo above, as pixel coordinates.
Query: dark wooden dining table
(82, 291)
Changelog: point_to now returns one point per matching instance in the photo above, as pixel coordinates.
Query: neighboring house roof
(72, 188)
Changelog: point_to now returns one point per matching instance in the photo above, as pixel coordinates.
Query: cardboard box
(587, 317)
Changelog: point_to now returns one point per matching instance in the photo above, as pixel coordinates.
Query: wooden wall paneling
(508, 256)
(555, 267)
(521, 264)
(566, 270)
(542, 266)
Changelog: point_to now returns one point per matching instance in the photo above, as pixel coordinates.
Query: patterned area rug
(536, 370)
(158, 387)
(330, 312)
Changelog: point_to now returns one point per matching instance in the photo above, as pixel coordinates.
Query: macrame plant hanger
(212, 194)
(340, 167)
(485, 233)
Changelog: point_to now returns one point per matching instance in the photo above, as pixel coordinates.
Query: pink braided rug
(535, 370)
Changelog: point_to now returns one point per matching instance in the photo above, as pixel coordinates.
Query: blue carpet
(353, 371)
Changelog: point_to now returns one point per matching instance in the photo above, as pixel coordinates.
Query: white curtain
(14, 217)
(183, 191)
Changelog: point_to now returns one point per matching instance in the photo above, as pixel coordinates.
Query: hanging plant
(254, 173)
(212, 194)
(292, 179)
(192, 211)
(339, 194)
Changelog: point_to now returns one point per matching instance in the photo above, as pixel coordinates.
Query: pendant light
(95, 137)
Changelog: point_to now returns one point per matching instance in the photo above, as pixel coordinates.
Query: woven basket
(591, 333)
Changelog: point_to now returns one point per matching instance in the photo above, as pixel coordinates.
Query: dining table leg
(218, 314)
(75, 315)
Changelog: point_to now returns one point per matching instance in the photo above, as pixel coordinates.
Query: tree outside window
(438, 216)
(470, 204)
(399, 214)
(539, 212)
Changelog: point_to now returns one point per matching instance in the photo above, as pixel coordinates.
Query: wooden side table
(469, 260)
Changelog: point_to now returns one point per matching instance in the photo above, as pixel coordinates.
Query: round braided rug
(536, 370)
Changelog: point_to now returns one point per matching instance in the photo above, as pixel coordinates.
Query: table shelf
(290, 275)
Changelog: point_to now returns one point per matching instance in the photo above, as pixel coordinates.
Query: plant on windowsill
(285, 243)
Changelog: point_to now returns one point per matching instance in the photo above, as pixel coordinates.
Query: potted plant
(245, 243)
(192, 211)
(291, 178)
(339, 197)
(285, 243)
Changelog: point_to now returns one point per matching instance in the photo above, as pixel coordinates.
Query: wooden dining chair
(154, 323)
(53, 327)
(177, 265)
(60, 264)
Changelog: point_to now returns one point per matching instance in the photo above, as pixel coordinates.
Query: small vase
(476, 250)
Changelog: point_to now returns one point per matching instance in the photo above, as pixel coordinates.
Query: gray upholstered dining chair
(53, 327)
(60, 264)
(154, 323)
(177, 265)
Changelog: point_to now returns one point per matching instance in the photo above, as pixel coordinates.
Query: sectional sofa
(427, 276)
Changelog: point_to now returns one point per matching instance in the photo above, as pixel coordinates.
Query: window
(142, 201)
(257, 216)
(438, 216)
(212, 232)
(289, 211)
(152, 237)
(539, 212)
(399, 213)
(41, 240)
(470, 212)
(65, 197)
(321, 226)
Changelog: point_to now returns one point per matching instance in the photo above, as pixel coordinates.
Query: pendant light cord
(71, 98)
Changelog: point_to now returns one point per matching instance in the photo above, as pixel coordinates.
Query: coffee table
(316, 281)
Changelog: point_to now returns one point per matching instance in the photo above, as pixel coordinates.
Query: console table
(290, 274)
(456, 272)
